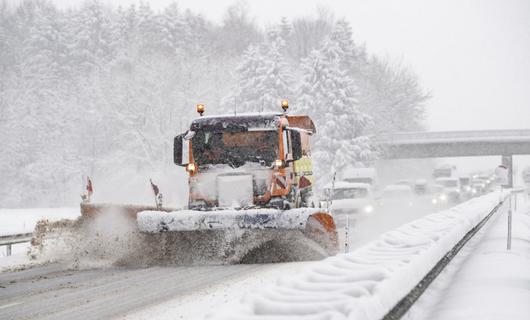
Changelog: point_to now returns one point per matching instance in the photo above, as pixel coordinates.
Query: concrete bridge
(505, 143)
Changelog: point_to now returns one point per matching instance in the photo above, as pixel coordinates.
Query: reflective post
(346, 235)
(509, 240)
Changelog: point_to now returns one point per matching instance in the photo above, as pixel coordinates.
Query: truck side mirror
(296, 142)
(180, 150)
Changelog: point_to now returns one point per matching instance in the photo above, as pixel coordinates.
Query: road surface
(50, 292)
(54, 292)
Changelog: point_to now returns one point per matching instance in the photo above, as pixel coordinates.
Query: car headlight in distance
(468, 188)
(443, 197)
(473, 191)
(368, 209)
(434, 201)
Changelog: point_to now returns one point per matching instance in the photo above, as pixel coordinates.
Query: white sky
(472, 55)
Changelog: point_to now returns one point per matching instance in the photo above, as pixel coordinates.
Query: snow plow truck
(250, 199)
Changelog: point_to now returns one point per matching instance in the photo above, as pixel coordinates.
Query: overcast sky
(473, 56)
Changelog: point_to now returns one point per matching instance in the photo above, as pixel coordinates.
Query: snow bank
(189, 220)
(13, 221)
(368, 282)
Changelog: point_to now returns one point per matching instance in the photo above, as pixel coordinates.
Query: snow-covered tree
(329, 95)
(92, 89)
(392, 95)
(264, 77)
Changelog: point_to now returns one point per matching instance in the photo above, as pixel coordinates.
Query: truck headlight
(443, 197)
(191, 168)
(434, 201)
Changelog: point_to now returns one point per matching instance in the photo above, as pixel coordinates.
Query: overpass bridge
(505, 143)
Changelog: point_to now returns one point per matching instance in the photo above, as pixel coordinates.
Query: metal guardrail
(10, 240)
(403, 306)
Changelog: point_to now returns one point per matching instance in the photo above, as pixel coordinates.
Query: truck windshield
(235, 148)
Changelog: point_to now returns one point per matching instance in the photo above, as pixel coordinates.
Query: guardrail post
(509, 238)
(8, 250)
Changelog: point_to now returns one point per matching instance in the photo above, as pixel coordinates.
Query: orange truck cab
(247, 160)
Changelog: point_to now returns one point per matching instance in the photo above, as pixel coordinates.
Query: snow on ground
(15, 221)
(368, 282)
(487, 283)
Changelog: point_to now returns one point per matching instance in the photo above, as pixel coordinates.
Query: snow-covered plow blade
(242, 236)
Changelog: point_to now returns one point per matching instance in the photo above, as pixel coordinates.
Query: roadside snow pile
(368, 282)
(189, 220)
(14, 221)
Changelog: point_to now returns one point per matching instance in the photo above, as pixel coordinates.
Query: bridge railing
(428, 137)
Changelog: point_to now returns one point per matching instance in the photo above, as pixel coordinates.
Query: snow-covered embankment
(368, 282)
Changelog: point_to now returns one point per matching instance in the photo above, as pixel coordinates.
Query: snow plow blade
(246, 236)
(227, 236)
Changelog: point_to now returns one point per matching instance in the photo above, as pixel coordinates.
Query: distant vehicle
(443, 171)
(485, 180)
(349, 199)
(420, 187)
(360, 175)
(396, 195)
(451, 189)
(439, 198)
(478, 188)
(465, 187)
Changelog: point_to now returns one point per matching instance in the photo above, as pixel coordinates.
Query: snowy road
(50, 292)
(54, 292)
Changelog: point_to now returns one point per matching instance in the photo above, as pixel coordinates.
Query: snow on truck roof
(243, 121)
(241, 115)
(348, 185)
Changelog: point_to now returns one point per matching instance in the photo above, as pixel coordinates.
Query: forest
(101, 91)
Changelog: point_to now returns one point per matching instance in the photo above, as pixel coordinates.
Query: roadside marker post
(346, 236)
(509, 238)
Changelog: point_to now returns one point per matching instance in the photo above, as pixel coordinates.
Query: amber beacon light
(285, 105)
(200, 108)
